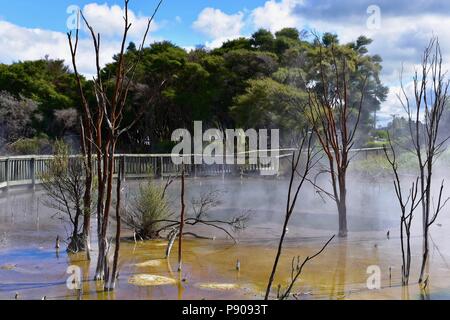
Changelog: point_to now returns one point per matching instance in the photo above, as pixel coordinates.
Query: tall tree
(111, 98)
(335, 117)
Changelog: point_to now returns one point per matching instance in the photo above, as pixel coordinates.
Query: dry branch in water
(200, 217)
(408, 206)
(150, 217)
(297, 270)
(311, 158)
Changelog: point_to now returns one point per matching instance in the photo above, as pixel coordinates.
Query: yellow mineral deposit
(149, 280)
(150, 263)
(219, 286)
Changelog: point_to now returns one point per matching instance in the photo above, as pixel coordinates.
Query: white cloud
(217, 43)
(19, 43)
(400, 42)
(219, 26)
(109, 20)
(189, 48)
(396, 102)
(392, 106)
(276, 15)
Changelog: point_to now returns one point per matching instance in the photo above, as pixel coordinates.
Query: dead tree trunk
(114, 274)
(182, 221)
(86, 148)
(342, 206)
(105, 220)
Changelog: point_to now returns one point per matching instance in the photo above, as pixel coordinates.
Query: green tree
(267, 103)
(263, 40)
(47, 82)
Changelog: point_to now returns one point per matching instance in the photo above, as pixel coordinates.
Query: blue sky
(31, 29)
(51, 14)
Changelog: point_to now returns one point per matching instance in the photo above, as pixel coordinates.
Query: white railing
(26, 170)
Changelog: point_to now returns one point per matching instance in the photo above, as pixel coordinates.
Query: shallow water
(31, 267)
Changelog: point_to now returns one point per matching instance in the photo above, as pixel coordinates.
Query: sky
(400, 29)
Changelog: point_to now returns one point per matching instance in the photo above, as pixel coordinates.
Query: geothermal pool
(31, 268)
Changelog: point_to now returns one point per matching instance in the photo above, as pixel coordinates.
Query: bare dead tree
(335, 121)
(408, 206)
(86, 151)
(150, 217)
(200, 217)
(311, 158)
(201, 208)
(103, 126)
(64, 186)
(87, 135)
(430, 100)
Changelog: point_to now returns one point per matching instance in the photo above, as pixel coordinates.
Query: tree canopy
(256, 82)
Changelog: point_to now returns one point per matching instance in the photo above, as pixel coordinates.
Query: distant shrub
(375, 144)
(372, 167)
(31, 146)
(381, 134)
(377, 166)
(146, 211)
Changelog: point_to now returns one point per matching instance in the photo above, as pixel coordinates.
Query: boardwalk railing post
(7, 165)
(33, 172)
(194, 166)
(124, 168)
(162, 168)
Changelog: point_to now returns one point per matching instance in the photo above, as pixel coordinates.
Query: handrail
(25, 170)
(168, 155)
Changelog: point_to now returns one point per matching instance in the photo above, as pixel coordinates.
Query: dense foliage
(256, 82)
